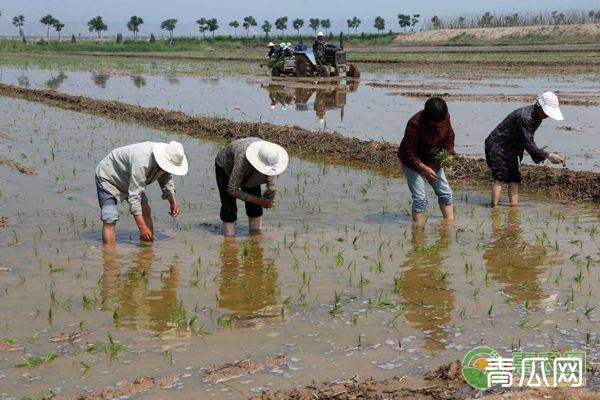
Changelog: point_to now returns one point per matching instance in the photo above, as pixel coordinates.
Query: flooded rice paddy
(340, 283)
(376, 107)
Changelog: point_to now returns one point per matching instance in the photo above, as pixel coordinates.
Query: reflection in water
(55, 81)
(426, 287)
(126, 285)
(248, 284)
(319, 99)
(138, 81)
(100, 79)
(512, 261)
(172, 79)
(23, 81)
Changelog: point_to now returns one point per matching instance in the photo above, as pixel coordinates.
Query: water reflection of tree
(138, 81)
(100, 79)
(23, 81)
(426, 288)
(55, 81)
(248, 283)
(172, 79)
(125, 284)
(511, 260)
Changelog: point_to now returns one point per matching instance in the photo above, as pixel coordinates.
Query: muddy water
(358, 109)
(340, 283)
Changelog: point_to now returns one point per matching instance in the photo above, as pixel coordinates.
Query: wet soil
(229, 371)
(574, 65)
(446, 382)
(126, 389)
(568, 99)
(562, 183)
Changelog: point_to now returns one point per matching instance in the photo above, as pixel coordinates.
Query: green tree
(486, 19)
(48, 20)
(97, 25)
(314, 24)
(134, 25)
(404, 21)
(249, 22)
(298, 23)
(436, 22)
(281, 24)
(58, 27)
(266, 27)
(234, 25)
(169, 25)
(213, 25)
(202, 26)
(18, 22)
(353, 22)
(414, 21)
(326, 24)
(152, 38)
(379, 24)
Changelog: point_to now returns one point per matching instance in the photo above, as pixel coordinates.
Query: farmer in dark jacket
(319, 48)
(504, 147)
(428, 133)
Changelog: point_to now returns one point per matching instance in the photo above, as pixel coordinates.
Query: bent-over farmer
(428, 133)
(505, 145)
(124, 174)
(241, 167)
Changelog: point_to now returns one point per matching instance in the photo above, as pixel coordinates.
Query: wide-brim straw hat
(549, 103)
(267, 158)
(171, 158)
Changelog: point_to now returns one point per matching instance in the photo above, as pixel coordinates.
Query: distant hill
(546, 34)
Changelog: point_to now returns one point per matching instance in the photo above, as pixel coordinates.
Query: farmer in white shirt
(124, 174)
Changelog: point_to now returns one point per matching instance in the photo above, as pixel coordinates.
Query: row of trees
(211, 25)
(490, 20)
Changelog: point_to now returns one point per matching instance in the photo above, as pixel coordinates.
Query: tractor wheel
(322, 71)
(353, 71)
(275, 72)
(303, 68)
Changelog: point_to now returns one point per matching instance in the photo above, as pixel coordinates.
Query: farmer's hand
(429, 173)
(555, 158)
(266, 203)
(174, 208)
(146, 234)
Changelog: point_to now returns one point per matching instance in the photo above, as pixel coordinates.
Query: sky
(117, 12)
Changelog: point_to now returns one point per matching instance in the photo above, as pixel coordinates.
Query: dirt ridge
(562, 184)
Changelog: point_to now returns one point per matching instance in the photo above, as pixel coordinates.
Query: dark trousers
(228, 202)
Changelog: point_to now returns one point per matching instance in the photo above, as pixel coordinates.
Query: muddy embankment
(559, 183)
(542, 66)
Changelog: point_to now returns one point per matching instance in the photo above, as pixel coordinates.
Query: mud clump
(127, 389)
(19, 167)
(561, 184)
(3, 222)
(226, 372)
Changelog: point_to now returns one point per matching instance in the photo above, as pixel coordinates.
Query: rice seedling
(35, 361)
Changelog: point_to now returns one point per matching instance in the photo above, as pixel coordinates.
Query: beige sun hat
(267, 158)
(171, 158)
(549, 103)
(271, 44)
(320, 34)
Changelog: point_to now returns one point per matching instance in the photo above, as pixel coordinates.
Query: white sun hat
(549, 103)
(171, 158)
(320, 34)
(271, 44)
(267, 158)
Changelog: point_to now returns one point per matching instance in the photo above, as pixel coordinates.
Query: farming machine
(303, 63)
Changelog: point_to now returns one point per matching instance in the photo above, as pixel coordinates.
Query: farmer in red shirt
(427, 133)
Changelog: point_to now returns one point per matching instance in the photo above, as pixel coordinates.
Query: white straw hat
(549, 103)
(171, 158)
(320, 34)
(271, 44)
(267, 158)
